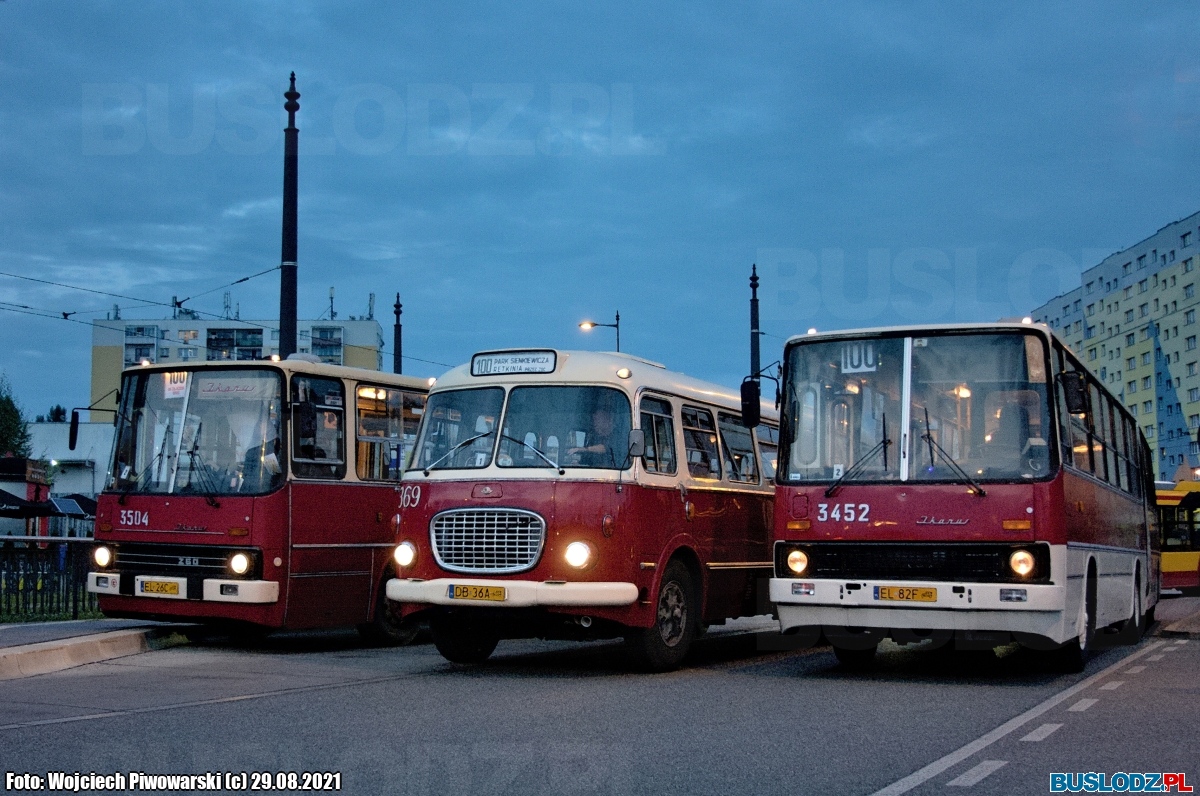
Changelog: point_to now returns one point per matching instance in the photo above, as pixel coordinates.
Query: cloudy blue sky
(513, 168)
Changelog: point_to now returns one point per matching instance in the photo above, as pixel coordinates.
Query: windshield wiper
(462, 444)
(533, 448)
(858, 465)
(962, 474)
(208, 479)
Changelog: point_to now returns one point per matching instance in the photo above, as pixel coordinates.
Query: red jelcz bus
(255, 493)
(575, 495)
(974, 480)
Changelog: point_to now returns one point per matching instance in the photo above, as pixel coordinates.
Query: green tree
(14, 431)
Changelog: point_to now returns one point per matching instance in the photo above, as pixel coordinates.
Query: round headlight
(102, 556)
(578, 554)
(405, 553)
(239, 563)
(797, 561)
(1022, 562)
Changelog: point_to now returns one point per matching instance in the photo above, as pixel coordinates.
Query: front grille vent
(487, 540)
(172, 559)
(977, 562)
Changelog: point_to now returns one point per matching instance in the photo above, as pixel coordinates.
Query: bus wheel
(1073, 655)
(386, 627)
(461, 640)
(663, 647)
(1134, 627)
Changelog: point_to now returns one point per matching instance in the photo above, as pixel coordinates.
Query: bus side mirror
(637, 443)
(751, 404)
(1074, 389)
(73, 434)
(305, 415)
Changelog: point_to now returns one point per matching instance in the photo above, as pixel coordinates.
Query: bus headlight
(405, 553)
(239, 563)
(1022, 562)
(578, 554)
(102, 556)
(797, 561)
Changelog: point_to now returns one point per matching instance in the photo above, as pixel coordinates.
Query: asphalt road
(742, 717)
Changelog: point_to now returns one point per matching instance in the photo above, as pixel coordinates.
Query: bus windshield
(570, 426)
(209, 432)
(458, 431)
(974, 404)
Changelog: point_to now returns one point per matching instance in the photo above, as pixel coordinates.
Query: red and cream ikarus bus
(972, 480)
(575, 495)
(255, 494)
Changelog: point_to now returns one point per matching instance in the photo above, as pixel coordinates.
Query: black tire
(386, 628)
(856, 660)
(463, 640)
(663, 647)
(1073, 656)
(1135, 626)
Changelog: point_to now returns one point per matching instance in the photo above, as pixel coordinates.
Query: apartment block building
(1133, 321)
(119, 343)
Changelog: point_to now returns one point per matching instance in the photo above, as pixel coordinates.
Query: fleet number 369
(843, 512)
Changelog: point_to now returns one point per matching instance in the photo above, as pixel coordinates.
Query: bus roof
(930, 328)
(593, 367)
(292, 366)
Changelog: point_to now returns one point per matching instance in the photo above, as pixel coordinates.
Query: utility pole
(287, 266)
(755, 365)
(397, 340)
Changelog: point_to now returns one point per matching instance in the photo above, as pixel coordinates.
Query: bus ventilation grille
(487, 540)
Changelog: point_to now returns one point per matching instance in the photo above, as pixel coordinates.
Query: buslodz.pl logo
(1121, 782)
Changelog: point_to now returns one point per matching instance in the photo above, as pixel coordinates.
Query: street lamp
(587, 326)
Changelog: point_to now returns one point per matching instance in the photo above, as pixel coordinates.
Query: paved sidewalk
(31, 648)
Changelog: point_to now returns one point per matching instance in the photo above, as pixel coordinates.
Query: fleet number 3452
(843, 512)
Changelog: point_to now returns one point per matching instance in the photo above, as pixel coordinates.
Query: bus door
(664, 500)
(333, 526)
(709, 510)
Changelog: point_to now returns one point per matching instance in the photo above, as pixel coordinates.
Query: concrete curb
(54, 656)
(1188, 627)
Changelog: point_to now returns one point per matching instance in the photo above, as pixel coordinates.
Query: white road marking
(1113, 686)
(969, 778)
(1082, 705)
(930, 771)
(1134, 670)
(1156, 657)
(1181, 641)
(1041, 733)
(1168, 649)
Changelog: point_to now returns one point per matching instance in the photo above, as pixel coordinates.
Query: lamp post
(587, 326)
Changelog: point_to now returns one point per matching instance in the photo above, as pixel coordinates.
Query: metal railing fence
(45, 578)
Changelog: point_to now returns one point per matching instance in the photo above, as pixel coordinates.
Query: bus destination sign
(513, 362)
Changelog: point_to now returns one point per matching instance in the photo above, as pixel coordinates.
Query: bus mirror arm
(637, 444)
(73, 434)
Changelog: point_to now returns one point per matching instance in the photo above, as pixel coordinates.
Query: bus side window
(700, 443)
(387, 420)
(659, 429)
(740, 463)
(768, 446)
(321, 453)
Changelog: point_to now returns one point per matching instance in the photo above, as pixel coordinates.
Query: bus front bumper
(517, 593)
(1014, 607)
(216, 590)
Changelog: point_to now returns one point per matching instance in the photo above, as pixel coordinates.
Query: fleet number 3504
(843, 512)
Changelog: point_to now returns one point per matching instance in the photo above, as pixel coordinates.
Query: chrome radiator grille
(487, 540)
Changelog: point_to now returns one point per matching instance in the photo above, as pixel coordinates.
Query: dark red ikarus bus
(975, 481)
(255, 493)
